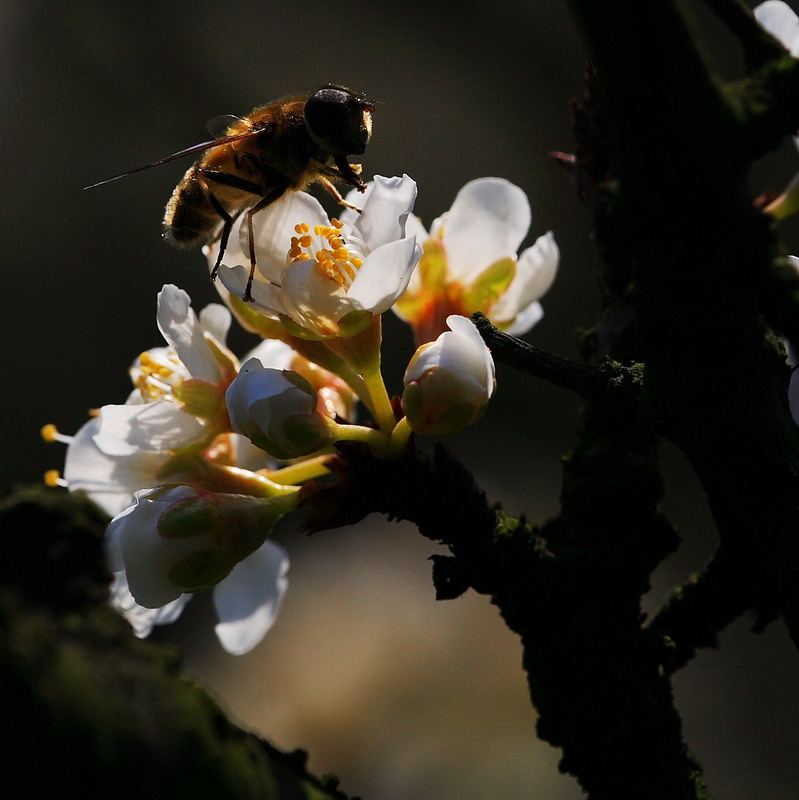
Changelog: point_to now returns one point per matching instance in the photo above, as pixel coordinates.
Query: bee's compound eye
(339, 120)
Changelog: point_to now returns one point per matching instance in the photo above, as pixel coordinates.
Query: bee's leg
(348, 174)
(267, 199)
(337, 195)
(227, 226)
(226, 179)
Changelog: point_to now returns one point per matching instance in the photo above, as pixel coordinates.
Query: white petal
(781, 22)
(314, 300)
(525, 319)
(465, 352)
(535, 272)
(385, 275)
(248, 600)
(488, 221)
(273, 228)
(110, 482)
(158, 426)
(247, 456)
(142, 619)
(215, 319)
(358, 199)
(272, 353)
(414, 227)
(266, 297)
(180, 327)
(386, 209)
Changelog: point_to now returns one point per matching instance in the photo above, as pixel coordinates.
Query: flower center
(336, 261)
(156, 375)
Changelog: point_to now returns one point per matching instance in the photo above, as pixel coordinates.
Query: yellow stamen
(49, 432)
(336, 261)
(53, 478)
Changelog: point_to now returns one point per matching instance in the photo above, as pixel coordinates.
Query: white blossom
(326, 277)
(449, 382)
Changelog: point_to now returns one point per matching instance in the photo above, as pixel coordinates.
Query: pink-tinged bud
(179, 539)
(449, 382)
(277, 410)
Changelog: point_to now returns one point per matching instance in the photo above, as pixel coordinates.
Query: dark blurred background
(402, 696)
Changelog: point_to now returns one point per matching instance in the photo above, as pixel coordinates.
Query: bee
(255, 160)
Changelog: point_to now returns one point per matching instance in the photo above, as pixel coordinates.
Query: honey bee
(281, 147)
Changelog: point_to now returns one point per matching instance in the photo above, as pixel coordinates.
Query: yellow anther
(94, 412)
(337, 223)
(301, 227)
(305, 241)
(356, 262)
(52, 478)
(49, 432)
(341, 253)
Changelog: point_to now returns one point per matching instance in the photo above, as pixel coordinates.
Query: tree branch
(91, 710)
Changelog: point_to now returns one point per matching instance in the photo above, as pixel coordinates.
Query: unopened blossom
(471, 263)
(278, 411)
(449, 382)
(174, 541)
(780, 20)
(321, 277)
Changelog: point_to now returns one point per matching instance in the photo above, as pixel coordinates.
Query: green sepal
(354, 322)
(489, 285)
(199, 398)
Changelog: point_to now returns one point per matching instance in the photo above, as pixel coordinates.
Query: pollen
(335, 260)
(156, 376)
(53, 478)
(50, 433)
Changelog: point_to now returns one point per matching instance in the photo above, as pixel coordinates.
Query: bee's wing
(196, 148)
(218, 126)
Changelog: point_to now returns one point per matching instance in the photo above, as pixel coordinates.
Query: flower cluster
(208, 453)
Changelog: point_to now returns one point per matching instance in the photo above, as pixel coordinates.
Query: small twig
(702, 606)
(585, 381)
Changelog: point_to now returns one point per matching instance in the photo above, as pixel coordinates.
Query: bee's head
(339, 120)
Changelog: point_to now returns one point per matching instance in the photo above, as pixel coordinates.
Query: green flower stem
(378, 440)
(242, 481)
(381, 404)
(400, 436)
(362, 352)
(301, 471)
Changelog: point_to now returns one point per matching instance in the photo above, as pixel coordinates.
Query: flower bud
(449, 382)
(178, 539)
(277, 411)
